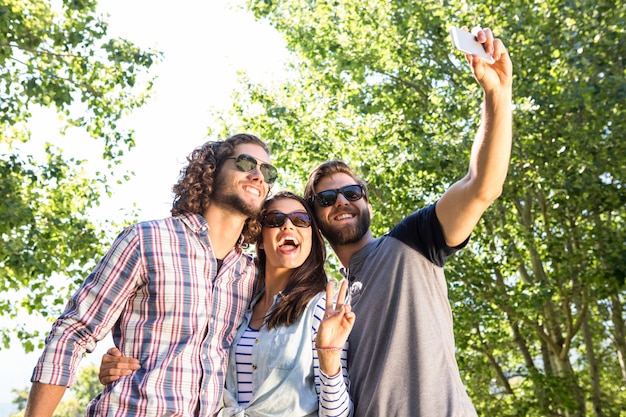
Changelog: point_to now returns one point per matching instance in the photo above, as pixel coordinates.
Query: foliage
(87, 385)
(538, 294)
(21, 398)
(56, 58)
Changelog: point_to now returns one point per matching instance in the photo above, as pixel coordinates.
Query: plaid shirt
(158, 291)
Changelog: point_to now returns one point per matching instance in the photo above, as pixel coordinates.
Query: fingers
(348, 315)
(114, 351)
(492, 45)
(108, 375)
(343, 291)
(498, 49)
(121, 362)
(494, 76)
(108, 379)
(341, 295)
(114, 366)
(329, 297)
(484, 36)
(342, 315)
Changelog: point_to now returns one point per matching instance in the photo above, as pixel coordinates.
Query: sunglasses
(246, 163)
(329, 197)
(277, 219)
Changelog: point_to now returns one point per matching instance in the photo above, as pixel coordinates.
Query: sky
(205, 43)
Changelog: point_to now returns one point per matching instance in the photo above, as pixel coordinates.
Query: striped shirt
(276, 371)
(243, 359)
(159, 291)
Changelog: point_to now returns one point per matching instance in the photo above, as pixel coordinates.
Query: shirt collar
(194, 221)
(199, 225)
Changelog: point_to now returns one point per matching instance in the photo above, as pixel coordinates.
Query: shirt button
(256, 340)
(254, 367)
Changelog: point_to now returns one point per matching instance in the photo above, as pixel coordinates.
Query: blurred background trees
(56, 60)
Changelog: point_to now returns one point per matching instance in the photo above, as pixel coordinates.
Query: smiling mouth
(344, 216)
(252, 190)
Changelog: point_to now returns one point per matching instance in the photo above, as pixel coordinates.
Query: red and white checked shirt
(157, 291)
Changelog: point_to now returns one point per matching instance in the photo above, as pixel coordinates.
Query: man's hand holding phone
(487, 57)
(466, 42)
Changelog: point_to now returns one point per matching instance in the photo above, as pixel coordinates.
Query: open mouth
(288, 242)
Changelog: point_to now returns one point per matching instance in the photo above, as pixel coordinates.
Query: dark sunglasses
(246, 163)
(277, 219)
(328, 197)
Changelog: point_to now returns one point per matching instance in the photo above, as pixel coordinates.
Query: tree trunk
(620, 333)
(593, 370)
(565, 371)
(530, 364)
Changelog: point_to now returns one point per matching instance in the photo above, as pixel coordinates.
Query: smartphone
(466, 42)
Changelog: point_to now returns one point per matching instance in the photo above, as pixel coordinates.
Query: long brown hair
(192, 192)
(306, 281)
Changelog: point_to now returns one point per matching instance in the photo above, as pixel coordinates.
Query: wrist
(329, 366)
(328, 348)
(330, 375)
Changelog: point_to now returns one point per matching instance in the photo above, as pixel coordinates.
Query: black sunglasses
(246, 163)
(328, 197)
(277, 219)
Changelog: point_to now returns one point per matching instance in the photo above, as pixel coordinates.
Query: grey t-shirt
(402, 355)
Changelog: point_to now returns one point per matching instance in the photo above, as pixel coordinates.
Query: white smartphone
(466, 42)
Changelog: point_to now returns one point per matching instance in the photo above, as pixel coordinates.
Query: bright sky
(205, 44)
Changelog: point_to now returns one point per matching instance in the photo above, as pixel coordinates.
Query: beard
(348, 234)
(223, 197)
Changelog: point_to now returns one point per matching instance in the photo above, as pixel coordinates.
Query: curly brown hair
(193, 191)
(306, 281)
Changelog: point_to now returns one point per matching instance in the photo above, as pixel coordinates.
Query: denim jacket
(283, 357)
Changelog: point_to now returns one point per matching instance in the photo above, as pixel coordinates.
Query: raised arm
(462, 205)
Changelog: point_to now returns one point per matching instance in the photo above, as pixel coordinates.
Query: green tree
(21, 398)
(56, 58)
(87, 385)
(538, 294)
